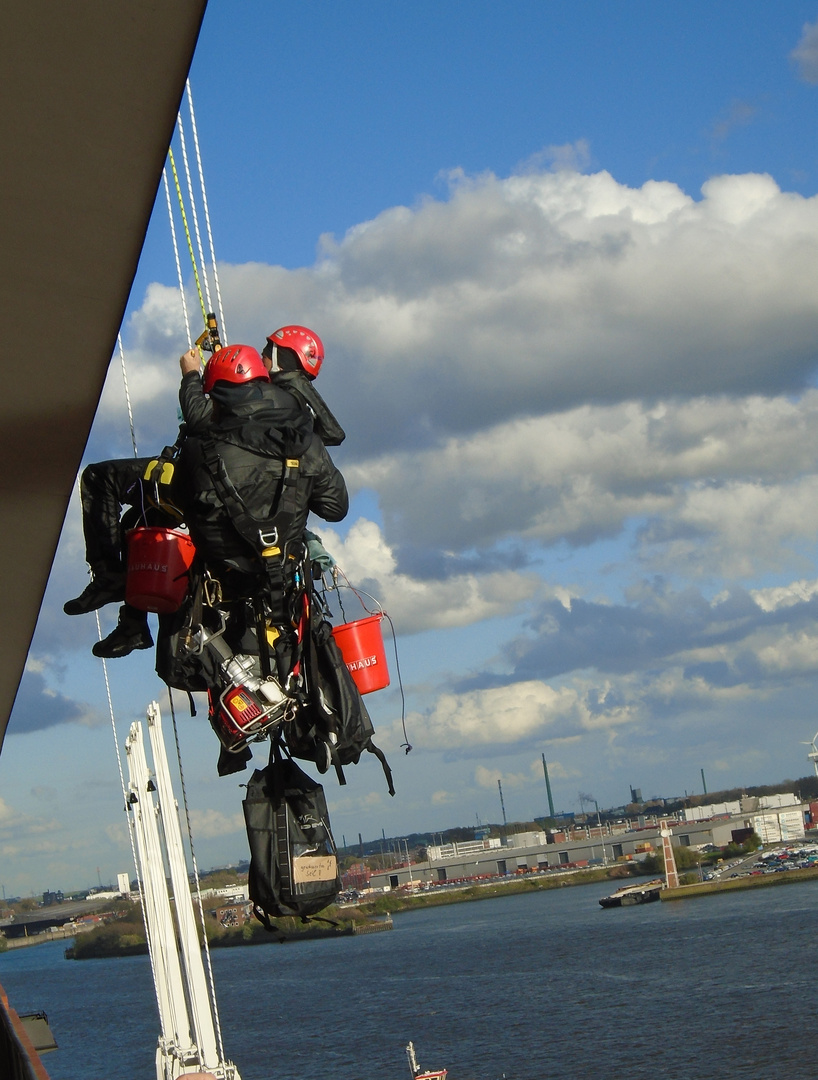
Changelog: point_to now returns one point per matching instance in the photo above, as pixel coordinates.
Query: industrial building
(775, 818)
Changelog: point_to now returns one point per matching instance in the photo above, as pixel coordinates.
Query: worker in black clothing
(258, 432)
(105, 487)
(246, 486)
(293, 355)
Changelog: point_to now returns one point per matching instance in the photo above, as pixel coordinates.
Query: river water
(534, 987)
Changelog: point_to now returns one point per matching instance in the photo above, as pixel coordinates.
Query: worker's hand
(189, 361)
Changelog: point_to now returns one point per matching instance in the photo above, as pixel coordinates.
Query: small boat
(417, 1072)
(634, 894)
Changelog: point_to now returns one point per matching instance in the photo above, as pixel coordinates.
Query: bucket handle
(406, 745)
(359, 593)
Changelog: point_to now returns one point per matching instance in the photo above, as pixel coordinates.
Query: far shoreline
(348, 920)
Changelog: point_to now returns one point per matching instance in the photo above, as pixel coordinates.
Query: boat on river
(642, 893)
(417, 1072)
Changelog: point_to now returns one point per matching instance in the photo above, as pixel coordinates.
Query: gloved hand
(317, 553)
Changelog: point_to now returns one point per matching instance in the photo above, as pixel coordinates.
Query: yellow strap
(166, 475)
(293, 463)
(269, 552)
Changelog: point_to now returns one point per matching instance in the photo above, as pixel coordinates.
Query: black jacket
(288, 391)
(253, 435)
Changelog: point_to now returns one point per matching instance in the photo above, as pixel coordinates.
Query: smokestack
(548, 788)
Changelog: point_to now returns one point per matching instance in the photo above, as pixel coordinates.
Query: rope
(206, 212)
(131, 818)
(131, 822)
(180, 197)
(196, 229)
(176, 254)
(208, 960)
(127, 393)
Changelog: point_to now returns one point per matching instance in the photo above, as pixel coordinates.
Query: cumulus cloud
(210, 823)
(534, 294)
(488, 778)
(628, 674)
(728, 641)
(543, 363)
(443, 798)
(796, 592)
(39, 706)
(737, 114)
(544, 358)
(737, 473)
(516, 713)
(805, 54)
(463, 599)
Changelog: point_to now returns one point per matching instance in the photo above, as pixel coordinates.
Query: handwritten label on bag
(307, 868)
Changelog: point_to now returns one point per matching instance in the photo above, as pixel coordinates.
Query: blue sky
(562, 258)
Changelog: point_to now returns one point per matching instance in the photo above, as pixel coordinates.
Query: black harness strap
(262, 534)
(267, 537)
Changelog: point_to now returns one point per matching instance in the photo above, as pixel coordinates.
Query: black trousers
(105, 488)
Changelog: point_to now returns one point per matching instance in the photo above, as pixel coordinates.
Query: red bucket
(158, 565)
(361, 645)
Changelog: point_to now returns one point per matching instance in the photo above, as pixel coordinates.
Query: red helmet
(234, 364)
(305, 344)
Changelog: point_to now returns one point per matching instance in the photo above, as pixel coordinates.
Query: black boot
(107, 587)
(130, 633)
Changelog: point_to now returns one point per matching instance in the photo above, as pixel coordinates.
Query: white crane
(190, 1042)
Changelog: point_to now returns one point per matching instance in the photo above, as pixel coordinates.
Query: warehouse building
(774, 818)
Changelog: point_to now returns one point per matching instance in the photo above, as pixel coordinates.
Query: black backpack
(293, 861)
(332, 726)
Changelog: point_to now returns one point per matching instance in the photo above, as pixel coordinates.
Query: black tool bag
(293, 861)
(176, 664)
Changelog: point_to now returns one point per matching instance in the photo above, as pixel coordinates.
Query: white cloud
(732, 471)
(532, 294)
(771, 599)
(547, 357)
(211, 823)
(552, 361)
(487, 778)
(415, 605)
(805, 54)
(8, 817)
(443, 798)
(512, 714)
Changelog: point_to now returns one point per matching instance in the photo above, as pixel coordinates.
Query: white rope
(131, 821)
(128, 812)
(127, 393)
(205, 281)
(222, 327)
(188, 338)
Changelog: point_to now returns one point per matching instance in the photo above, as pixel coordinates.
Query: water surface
(535, 986)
